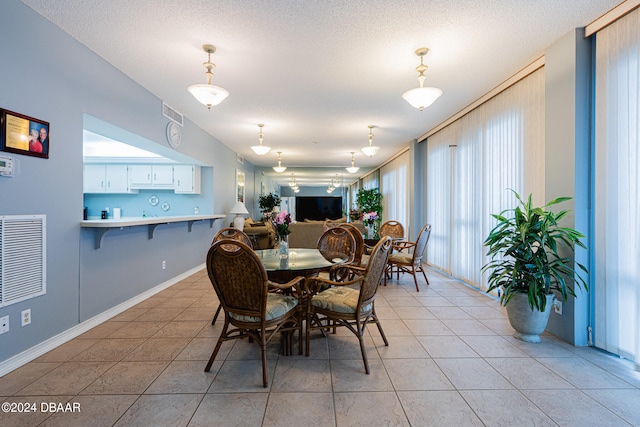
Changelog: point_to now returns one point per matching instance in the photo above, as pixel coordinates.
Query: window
(616, 273)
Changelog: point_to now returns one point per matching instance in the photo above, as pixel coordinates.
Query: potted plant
(531, 257)
(370, 201)
(267, 202)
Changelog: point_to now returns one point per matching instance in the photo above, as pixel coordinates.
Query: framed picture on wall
(239, 186)
(22, 134)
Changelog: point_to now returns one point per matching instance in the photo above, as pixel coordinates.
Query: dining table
(300, 262)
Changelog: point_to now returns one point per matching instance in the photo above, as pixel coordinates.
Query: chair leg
(415, 279)
(424, 274)
(215, 317)
(384, 337)
(364, 354)
(223, 335)
(263, 349)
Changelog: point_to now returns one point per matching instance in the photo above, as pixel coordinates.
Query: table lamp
(238, 209)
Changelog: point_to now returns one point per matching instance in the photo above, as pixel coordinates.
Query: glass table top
(299, 259)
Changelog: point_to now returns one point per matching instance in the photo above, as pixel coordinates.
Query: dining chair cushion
(340, 300)
(401, 258)
(277, 305)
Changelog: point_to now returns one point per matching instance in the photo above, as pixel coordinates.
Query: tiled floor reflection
(451, 362)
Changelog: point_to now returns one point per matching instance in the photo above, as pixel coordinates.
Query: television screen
(318, 208)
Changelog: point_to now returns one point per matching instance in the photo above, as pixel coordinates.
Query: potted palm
(531, 257)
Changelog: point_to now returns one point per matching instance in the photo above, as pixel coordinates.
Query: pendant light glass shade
(260, 150)
(208, 94)
(422, 97)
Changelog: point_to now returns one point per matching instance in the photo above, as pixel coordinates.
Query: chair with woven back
(391, 228)
(234, 234)
(408, 258)
(250, 309)
(359, 239)
(351, 303)
(337, 242)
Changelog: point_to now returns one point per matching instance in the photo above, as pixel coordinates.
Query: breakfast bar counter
(102, 226)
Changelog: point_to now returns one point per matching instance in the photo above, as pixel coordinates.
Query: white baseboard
(38, 350)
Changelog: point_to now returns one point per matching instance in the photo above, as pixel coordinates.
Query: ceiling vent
(172, 114)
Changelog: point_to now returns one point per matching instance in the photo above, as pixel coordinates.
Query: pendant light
(260, 150)
(208, 94)
(279, 168)
(370, 150)
(353, 168)
(422, 97)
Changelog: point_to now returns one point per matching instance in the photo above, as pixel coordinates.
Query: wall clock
(173, 134)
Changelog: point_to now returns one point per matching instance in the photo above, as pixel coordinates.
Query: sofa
(262, 234)
(305, 234)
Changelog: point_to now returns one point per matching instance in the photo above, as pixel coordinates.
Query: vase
(371, 231)
(283, 247)
(528, 324)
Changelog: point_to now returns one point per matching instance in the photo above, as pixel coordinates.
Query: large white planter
(528, 324)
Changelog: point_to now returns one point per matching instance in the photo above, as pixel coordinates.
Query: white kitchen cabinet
(105, 179)
(151, 176)
(140, 175)
(186, 179)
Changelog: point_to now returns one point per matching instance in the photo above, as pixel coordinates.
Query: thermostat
(6, 166)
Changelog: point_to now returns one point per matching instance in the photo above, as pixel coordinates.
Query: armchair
(250, 310)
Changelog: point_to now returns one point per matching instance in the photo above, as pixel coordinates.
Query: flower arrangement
(370, 218)
(282, 221)
(354, 214)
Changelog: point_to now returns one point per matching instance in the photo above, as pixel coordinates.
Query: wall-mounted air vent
(22, 257)
(172, 114)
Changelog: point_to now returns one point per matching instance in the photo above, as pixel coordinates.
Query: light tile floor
(451, 362)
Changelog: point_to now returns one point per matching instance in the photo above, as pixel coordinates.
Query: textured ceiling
(317, 72)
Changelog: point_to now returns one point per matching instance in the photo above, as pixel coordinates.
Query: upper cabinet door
(116, 179)
(162, 175)
(140, 175)
(94, 179)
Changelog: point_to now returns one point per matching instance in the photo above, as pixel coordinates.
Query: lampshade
(353, 168)
(422, 97)
(279, 168)
(370, 150)
(208, 94)
(239, 209)
(260, 150)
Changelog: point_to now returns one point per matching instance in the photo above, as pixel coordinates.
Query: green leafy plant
(267, 202)
(370, 200)
(525, 247)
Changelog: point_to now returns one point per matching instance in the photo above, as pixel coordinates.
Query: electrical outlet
(557, 306)
(4, 324)
(164, 264)
(26, 316)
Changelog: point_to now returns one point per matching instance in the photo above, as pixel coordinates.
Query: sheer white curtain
(394, 177)
(371, 181)
(472, 163)
(617, 189)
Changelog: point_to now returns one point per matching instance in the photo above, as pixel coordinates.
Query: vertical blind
(472, 164)
(616, 280)
(395, 190)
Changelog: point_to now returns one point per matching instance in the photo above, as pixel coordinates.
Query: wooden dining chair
(408, 258)
(337, 242)
(349, 304)
(393, 229)
(234, 234)
(250, 309)
(359, 239)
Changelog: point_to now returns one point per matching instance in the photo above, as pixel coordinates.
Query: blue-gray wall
(82, 281)
(568, 95)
